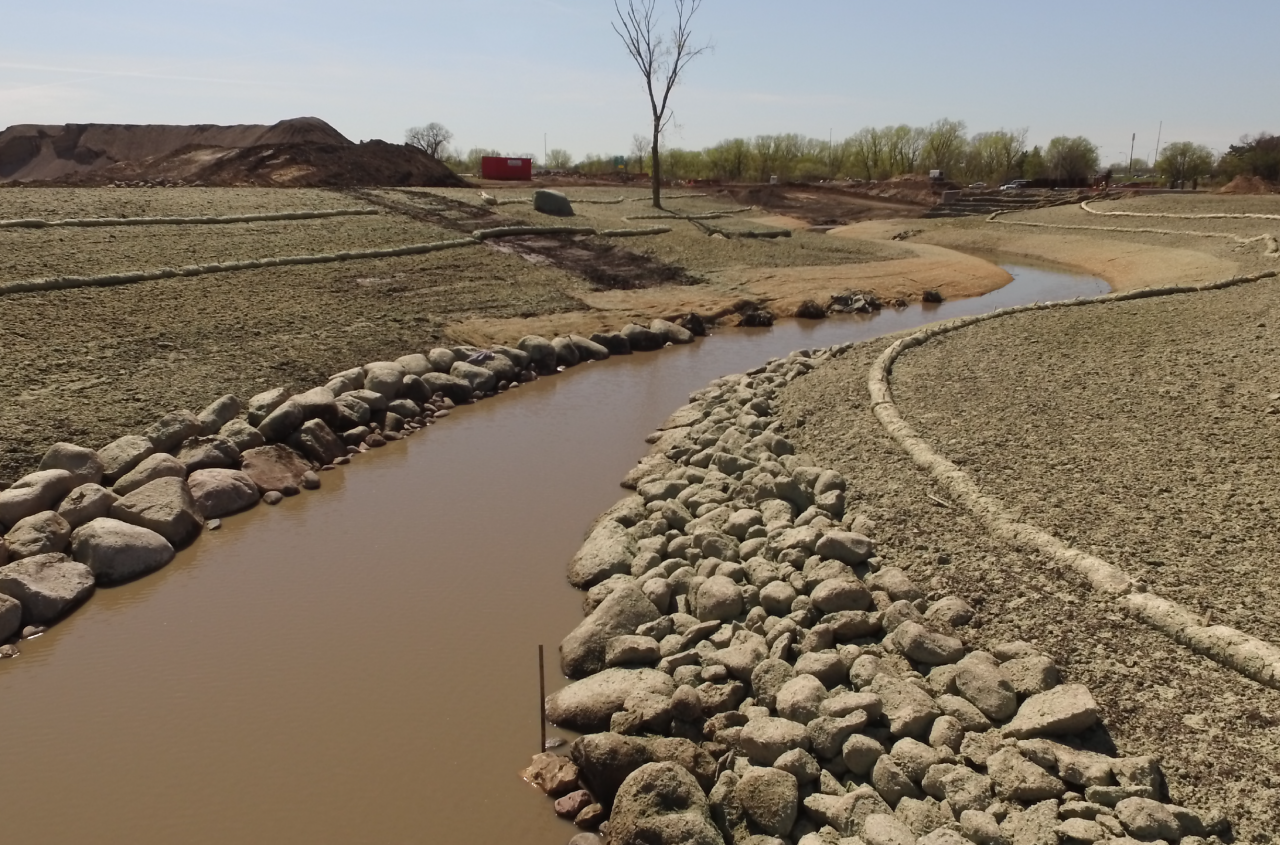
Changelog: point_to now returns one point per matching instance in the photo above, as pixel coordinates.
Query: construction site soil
(302, 152)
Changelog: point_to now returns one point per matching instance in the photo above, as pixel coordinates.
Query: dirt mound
(1247, 185)
(291, 165)
(301, 152)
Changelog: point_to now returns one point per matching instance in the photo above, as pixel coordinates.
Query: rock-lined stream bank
(368, 629)
(752, 671)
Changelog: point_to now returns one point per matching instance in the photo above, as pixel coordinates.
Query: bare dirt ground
(91, 364)
(1143, 432)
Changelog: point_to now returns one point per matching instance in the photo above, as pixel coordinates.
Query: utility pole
(1132, 141)
(544, 149)
(1159, 132)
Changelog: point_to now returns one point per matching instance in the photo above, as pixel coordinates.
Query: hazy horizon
(503, 76)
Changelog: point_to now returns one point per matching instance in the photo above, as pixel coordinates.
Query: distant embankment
(300, 152)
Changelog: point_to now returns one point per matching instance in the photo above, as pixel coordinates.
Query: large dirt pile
(301, 152)
(1247, 185)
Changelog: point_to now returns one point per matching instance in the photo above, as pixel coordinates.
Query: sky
(515, 75)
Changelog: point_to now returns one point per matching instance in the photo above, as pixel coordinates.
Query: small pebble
(7, 651)
(374, 441)
(328, 468)
(351, 450)
(342, 461)
(273, 497)
(213, 524)
(391, 435)
(310, 480)
(32, 631)
(290, 490)
(442, 414)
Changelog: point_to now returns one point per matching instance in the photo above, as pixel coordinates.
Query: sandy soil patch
(1029, 413)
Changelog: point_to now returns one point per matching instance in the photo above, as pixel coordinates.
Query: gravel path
(1035, 416)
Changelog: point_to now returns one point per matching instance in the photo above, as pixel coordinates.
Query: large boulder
(588, 350)
(168, 432)
(10, 617)
(454, 389)
(38, 534)
(84, 464)
(164, 506)
(661, 804)
(908, 709)
(604, 761)
(415, 364)
(540, 351)
(242, 435)
(770, 797)
(116, 551)
(719, 597)
(264, 403)
(982, 682)
(608, 551)
(552, 202)
(283, 421)
(589, 704)
(670, 332)
(221, 492)
(766, 739)
(220, 412)
(161, 465)
(275, 467)
(1061, 711)
(86, 503)
(478, 377)
(47, 586)
(318, 442)
(384, 378)
(846, 547)
(622, 611)
(122, 455)
(208, 452)
(31, 494)
(641, 338)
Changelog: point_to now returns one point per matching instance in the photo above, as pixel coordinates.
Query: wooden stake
(542, 701)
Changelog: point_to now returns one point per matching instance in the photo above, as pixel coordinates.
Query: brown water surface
(359, 665)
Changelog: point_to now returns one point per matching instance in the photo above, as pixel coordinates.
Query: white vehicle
(1016, 185)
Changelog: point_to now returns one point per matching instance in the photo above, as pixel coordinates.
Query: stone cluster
(750, 670)
(87, 518)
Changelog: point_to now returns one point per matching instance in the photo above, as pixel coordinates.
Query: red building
(510, 169)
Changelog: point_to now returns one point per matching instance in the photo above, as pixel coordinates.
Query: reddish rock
(275, 468)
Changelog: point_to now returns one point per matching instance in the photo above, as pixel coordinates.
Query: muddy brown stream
(358, 665)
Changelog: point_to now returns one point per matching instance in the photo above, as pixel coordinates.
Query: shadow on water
(360, 666)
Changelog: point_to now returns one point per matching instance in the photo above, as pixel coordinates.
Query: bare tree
(431, 138)
(661, 60)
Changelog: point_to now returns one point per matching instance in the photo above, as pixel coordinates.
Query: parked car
(1016, 185)
(977, 186)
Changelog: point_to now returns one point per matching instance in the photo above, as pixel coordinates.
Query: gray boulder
(242, 435)
(608, 551)
(884, 829)
(86, 503)
(168, 432)
(440, 359)
(719, 597)
(31, 494)
(540, 351)
(83, 464)
(767, 738)
(38, 534)
(384, 378)
(10, 617)
(567, 354)
(1147, 820)
(318, 442)
(771, 798)
(1063, 710)
(837, 594)
(117, 551)
(589, 704)
(588, 350)
(220, 412)
(982, 682)
(222, 492)
(47, 586)
(800, 699)
(264, 403)
(662, 804)
(164, 506)
(208, 452)
(670, 332)
(455, 389)
(122, 455)
(479, 378)
(552, 202)
(908, 709)
(924, 646)
(415, 364)
(275, 468)
(160, 465)
(642, 339)
(620, 613)
(1018, 779)
(612, 341)
(283, 421)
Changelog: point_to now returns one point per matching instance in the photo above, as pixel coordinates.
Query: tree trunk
(657, 170)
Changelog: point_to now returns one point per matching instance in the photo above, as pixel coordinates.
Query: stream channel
(359, 665)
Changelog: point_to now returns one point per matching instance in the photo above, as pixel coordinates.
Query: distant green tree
(1183, 161)
(1071, 158)
(1257, 155)
(559, 159)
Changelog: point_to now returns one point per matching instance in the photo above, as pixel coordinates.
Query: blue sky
(503, 72)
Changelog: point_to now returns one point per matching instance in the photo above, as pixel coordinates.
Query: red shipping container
(510, 169)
